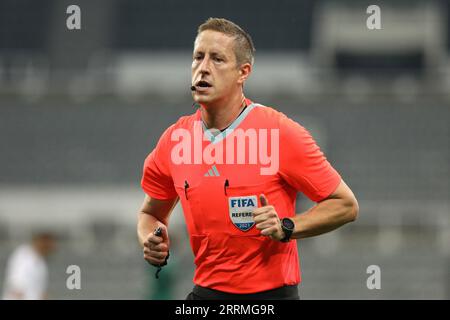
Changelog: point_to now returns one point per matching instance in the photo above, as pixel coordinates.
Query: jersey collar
(222, 135)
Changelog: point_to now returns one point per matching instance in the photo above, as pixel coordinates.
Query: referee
(237, 166)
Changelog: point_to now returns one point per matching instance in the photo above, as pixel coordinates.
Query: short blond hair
(243, 45)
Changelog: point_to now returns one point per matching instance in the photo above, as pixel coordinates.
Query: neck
(221, 114)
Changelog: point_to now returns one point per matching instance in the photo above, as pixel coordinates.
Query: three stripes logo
(213, 172)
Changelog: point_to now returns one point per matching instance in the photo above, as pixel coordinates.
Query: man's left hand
(267, 220)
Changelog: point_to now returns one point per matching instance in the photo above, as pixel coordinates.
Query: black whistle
(158, 232)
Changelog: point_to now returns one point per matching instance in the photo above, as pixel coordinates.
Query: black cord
(159, 268)
(158, 232)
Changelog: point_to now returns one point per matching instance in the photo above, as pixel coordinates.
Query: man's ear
(244, 70)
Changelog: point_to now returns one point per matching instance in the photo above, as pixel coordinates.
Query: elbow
(353, 210)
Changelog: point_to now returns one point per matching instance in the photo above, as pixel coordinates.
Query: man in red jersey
(236, 166)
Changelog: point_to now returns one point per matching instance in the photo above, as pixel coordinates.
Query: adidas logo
(213, 172)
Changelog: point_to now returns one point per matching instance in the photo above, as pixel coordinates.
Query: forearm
(152, 214)
(324, 217)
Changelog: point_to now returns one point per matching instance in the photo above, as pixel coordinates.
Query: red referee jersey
(219, 178)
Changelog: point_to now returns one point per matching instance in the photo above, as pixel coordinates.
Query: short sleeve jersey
(219, 177)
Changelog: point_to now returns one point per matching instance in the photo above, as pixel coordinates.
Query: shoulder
(271, 116)
(184, 122)
(22, 252)
(290, 131)
(22, 257)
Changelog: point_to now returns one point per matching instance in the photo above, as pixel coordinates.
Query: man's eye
(218, 59)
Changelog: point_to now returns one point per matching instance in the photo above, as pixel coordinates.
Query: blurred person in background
(26, 275)
(240, 221)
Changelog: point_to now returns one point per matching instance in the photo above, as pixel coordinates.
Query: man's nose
(204, 66)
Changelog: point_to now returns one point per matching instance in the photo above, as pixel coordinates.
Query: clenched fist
(267, 220)
(156, 248)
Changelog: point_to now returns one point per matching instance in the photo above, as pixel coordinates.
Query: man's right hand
(156, 248)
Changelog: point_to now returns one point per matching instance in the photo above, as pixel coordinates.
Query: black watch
(288, 228)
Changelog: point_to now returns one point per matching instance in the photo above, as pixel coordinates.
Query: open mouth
(203, 84)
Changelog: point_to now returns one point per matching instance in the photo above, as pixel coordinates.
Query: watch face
(288, 223)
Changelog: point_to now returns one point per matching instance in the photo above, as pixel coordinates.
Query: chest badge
(240, 210)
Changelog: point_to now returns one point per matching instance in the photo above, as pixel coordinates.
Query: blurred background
(81, 109)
